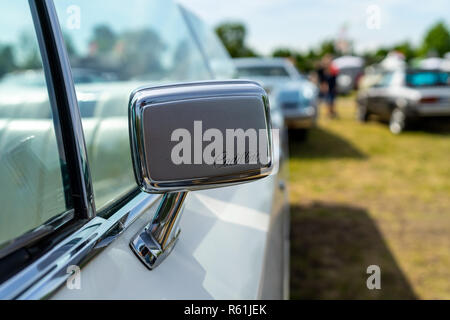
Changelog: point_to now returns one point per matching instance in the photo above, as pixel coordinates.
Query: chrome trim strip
(195, 36)
(48, 273)
(59, 73)
(37, 233)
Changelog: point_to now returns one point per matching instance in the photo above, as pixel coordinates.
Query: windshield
(266, 71)
(427, 79)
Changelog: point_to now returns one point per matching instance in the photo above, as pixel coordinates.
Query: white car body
(227, 250)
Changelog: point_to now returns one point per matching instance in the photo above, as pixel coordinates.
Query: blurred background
(363, 88)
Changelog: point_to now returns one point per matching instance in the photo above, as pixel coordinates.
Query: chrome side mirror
(190, 137)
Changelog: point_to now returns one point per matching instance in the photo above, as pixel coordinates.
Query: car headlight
(308, 93)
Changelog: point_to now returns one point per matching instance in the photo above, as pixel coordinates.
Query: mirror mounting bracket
(155, 242)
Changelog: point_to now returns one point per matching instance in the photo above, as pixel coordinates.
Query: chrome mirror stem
(154, 243)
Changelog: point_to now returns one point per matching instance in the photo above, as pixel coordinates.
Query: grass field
(361, 196)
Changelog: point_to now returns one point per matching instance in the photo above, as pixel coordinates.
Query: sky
(303, 24)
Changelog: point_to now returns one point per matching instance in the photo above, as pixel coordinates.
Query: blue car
(290, 91)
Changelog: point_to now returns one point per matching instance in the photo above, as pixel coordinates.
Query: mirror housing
(200, 135)
(189, 137)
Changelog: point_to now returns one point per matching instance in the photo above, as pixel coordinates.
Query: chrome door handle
(154, 243)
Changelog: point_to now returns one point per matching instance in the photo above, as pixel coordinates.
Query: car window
(115, 48)
(427, 79)
(31, 181)
(269, 71)
(218, 58)
(385, 80)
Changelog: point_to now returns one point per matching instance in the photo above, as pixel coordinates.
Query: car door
(229, 236)
(45, 190)
(202, 259)
(379, 98)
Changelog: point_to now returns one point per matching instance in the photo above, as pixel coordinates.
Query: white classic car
(93, 204)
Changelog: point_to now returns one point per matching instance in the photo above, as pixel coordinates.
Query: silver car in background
(351, 69)
(406, 98)
(291, 92)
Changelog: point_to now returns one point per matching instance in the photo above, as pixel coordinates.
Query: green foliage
(436, 41)
(7, 63)
(140, 51)
(104, 38)
(375, 56)
(29, 50)
(305, 62)
(327, 47)
(70, 45)
(406, 48)
(233, 35)
(283, 53)
(29, 57)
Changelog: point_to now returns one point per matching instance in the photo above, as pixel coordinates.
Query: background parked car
(290, 91)
(371, 76)
(350, 71)
(404, 97)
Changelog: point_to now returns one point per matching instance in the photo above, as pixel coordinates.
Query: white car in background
(350, 71)
(406, 98)
(290, 91)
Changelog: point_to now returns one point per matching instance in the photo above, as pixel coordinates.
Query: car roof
(250, 62)
(418, 70)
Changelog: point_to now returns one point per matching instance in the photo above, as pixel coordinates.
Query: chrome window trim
(197, 40)
(46, 275)
(37, 233)
(76, 178)
(59, 77)
(41, 278)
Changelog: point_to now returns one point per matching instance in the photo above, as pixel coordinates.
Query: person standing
(327, 75)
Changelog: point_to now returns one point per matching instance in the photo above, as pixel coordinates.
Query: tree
(233, 36)
(7, 63)
(305, 63)
(408, 51)
(142, 54)
(283, 53)
(327, 47)
(31, 58)
(70, 45)
(104, 38)
(437, 40)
